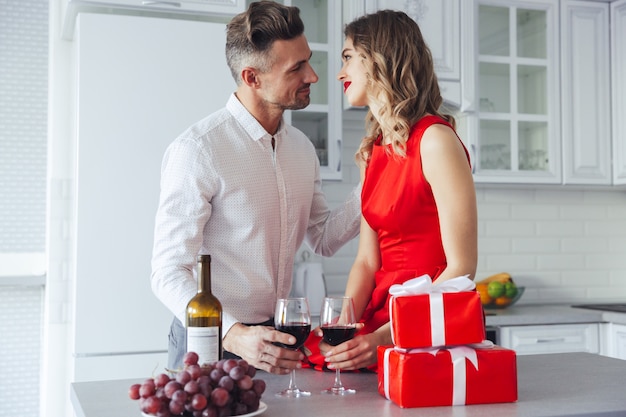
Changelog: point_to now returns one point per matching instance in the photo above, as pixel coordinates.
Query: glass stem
(338, 384)
(292, 381)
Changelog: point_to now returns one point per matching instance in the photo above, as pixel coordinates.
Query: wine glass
(338, 324)
(292, 316)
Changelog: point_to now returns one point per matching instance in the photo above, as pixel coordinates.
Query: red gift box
(437, 319)
(447, 376)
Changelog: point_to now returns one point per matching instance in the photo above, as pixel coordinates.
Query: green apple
(510, 290)
(495, 289)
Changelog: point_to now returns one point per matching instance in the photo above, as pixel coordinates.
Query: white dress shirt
(226, 192)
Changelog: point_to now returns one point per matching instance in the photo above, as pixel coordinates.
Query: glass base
(293, 393)
(339, 391)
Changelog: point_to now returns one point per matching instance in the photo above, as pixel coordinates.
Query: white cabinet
(204, 10)
(558, 338)
(515, 130)
(618, 69)
(201, 6)
(439, 21)
(585, 92)
(614, 340)
(542, 93)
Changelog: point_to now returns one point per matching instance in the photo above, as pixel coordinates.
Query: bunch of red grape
(225, 388)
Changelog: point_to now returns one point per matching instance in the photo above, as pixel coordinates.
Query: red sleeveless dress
(399, 205)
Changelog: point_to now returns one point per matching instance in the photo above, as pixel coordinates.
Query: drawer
(529, 340)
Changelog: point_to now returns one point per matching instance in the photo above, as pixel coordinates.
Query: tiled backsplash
(562, 245)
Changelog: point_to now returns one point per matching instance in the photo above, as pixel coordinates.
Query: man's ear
(250, 77)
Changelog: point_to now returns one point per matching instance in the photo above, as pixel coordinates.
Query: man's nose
(311, 76)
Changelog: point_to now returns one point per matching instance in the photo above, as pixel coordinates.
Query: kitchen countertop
(617, 318)
(549, 314)
(568, 384)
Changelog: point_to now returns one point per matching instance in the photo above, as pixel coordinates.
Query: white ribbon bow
(424, 285)
(458, 355)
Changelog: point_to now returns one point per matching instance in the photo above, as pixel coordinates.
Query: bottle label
(205, 342)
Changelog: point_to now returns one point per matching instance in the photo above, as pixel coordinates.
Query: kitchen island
(568, 384)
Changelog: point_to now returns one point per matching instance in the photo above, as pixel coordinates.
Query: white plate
(260, 410)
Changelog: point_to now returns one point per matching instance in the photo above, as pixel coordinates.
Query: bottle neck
(204, 276)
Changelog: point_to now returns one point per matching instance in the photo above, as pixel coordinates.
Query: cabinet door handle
(555, 340)
(159, 2)
(339, 153)
(473, 157)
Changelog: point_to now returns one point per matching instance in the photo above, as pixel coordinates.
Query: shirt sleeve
(228, 321)
(184, 208)
(329, 230)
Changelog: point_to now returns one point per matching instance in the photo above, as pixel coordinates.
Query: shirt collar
(248, 122)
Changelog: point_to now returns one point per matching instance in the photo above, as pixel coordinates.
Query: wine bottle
(204, 317)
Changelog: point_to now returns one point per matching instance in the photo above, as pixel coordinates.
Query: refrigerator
(139, 82)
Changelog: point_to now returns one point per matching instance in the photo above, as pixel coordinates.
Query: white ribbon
(424, 285)
(458, 355)
(386, 372)
(459, 372)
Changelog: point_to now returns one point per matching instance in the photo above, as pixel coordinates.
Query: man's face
(287, 84)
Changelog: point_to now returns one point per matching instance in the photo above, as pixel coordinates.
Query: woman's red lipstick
(346, 85)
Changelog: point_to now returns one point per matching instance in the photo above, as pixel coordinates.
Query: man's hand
(255, 345)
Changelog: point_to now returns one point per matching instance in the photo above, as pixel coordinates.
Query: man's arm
(329, 230)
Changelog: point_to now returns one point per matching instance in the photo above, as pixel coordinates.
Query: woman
(418, 198)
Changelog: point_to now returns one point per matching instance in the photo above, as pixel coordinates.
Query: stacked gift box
(439, 354)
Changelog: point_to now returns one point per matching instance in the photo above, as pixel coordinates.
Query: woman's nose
(341, 74)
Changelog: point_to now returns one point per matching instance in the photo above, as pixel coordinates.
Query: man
(244, 187)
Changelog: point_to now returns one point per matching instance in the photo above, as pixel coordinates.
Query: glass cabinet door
(321, 119)
(517, 121)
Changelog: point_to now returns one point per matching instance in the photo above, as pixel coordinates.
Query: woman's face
(353, 75)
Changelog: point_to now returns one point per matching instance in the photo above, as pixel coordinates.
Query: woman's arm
(446, 169)
(361, 280)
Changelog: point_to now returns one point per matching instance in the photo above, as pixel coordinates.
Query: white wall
(563, 245)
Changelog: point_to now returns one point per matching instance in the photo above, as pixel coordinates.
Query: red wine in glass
(298, 330)
(338, 323)
(292, 316)
(336, 335)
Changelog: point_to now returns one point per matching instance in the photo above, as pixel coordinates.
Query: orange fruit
(484, 294)
(503, 301)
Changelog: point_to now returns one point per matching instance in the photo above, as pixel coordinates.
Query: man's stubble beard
(298, 104)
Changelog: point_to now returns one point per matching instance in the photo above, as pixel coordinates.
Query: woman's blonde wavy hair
(402, 81)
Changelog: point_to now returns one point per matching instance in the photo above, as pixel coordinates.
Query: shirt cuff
(228, 321)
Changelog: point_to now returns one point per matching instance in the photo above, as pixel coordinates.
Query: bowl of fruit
(499, 291)
(226, 387)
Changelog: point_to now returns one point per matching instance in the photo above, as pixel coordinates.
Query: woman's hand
(358, 352)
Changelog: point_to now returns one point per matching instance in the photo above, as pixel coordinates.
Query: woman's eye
(346, 57)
